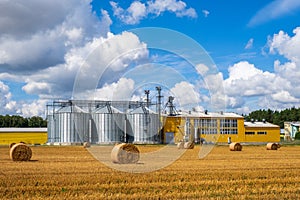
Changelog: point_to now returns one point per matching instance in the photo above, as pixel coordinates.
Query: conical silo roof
(71, 109)
(107, 109)
(142, 110)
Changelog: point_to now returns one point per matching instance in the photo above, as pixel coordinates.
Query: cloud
(284, 97)
(249, 44)
(47, 57)
(22, 19)
(83, 67)
(6, 104)
(123, 89)
(247, 80)
(205, 13)
(35, 39)
(34, 108)
(49, 30)
(276, 90)
(138, 11)
(132, 15)
(202, 69)
(185, 94)
(274, 10)
(285, 45)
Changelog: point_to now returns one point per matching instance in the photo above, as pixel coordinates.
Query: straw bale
(11, 145)
(86, 144)
(125, 153)
(180, 145)
(189, 145)
(235, 146)
(20, 152)
(272, 146)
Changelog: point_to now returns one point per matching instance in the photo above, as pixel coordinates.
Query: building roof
(260, 124)
(295, 124)
(208, 114)
(23, 130)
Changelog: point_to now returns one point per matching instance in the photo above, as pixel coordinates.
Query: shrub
(297, 136)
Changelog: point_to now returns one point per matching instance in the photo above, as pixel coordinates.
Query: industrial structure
(108, 122)
(102, 122)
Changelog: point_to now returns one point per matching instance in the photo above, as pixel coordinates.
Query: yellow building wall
(176, 125)
(173, 125)
(7, 138)
(273, 134)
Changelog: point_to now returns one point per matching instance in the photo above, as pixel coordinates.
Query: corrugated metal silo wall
(50, 128)
(71, 127)
(109, 127)
(144, 127)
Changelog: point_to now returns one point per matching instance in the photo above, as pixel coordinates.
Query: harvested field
(73, 173)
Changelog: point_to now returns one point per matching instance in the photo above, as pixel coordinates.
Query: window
(250, 133)
(228, 126)
(262, 132)
(207, 126)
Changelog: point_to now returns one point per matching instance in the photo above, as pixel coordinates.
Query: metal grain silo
(71, 125)
(144, 125)
(51, 128)
(109, 124)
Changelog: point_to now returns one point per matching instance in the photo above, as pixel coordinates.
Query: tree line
(275, 117)
(21, 122)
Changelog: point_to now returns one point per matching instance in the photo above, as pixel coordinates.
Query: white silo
(71, 124)
(109, 124)
(144, 125)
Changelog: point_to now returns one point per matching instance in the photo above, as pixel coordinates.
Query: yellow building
(261, 132)
(27, 135)
(216, 128)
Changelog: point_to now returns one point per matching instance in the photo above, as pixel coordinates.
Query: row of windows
(205, 122)
(253, 133)
(215, 131)
(229, 131)
(213, 123)
(228, 123)
(208, 131)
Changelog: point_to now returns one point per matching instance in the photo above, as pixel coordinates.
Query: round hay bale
(278, 145)
(189, 145)
(125, 154)
(11, 145)
(20, 152)
(86, 145)
(235, 146)
(180, 145)
(272, 146)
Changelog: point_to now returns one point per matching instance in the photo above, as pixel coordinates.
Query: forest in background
(275, 117)
(21, 122)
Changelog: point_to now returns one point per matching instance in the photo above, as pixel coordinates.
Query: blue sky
(230, 55)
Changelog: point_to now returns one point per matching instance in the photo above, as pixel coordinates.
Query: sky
(234, 56)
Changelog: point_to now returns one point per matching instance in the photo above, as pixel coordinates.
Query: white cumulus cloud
(185, 93)
(138, 11)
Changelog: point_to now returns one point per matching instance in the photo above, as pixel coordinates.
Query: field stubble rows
(73, 173)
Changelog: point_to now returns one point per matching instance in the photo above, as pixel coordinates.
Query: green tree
(36, 122)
